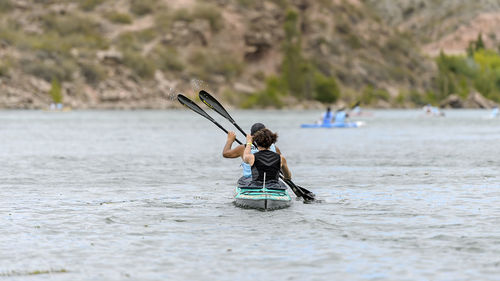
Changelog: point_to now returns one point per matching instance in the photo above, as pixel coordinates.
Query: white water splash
(172, 94)
(198, 85)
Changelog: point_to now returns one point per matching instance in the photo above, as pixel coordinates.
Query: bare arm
(227, 152)
(248, 157)
(284, 168)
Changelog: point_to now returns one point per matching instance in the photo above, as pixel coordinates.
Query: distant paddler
(494, 112)
(430, 110)
(327, 117)
(340, 116)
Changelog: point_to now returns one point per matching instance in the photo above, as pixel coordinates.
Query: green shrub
(163, 21)
(70, 24)
(4, 69)
(207, 63)
(140, 65)
(400, 99)
(135, 41)
(416, 98)
(294, 67)
(269, 97)
(167, 59)
(326, 88)
(93, 73)
(53, 43)
(210, 13)
(283, 4)
(120, 18)
(246, 3)
(183, 15)
(89, 5)
(370, 95)
(55, 91)
(61, 70)
(353, 41)
(142, 7)
(480, 70)
(5, 6)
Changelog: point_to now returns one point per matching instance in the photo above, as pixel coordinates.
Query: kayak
(334, 125)
(262, 199)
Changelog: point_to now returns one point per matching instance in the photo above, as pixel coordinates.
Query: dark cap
(256, 127)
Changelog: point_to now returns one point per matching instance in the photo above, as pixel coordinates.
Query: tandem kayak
(335, 125)
(262, 199)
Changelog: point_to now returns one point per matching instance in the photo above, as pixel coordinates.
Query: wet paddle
(211, 102)
(194, 107)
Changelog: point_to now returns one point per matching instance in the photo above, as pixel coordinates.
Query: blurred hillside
(250, 53)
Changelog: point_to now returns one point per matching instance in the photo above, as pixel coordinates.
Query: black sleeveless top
(267, 162)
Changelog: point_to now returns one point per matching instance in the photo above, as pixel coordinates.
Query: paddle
(194, 107)
(211, 102)
(356, 104)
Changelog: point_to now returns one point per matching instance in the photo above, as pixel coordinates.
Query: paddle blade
(193, 106)
(356, 104)
(300, 191)
(211, 102)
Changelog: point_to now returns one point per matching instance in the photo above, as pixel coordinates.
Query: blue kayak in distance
(335, 125)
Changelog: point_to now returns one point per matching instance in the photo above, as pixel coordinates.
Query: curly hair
(264, 138)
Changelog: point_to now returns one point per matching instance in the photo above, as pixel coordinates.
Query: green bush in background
(462, 74)
(55, 91)
(205, 63)
(142, 7)
(269, 97)
(167, 59)
(294, 66)
(210, 13)
(89, 5)
(48, 69)
(93, 72)
(4, 70)
(117, 17)
(326, 88)
(140, 65)
(5, 6)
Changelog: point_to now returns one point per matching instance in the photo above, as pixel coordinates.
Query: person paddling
(494, 112)
(327, 116)
(266, 164)
(340, 116)
(236, 152)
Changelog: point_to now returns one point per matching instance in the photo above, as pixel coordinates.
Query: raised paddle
(211, 102)
(356, 104)
(193, 106)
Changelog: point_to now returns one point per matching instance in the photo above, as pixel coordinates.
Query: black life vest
(268, 163)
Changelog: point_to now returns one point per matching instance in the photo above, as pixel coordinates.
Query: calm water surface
(146, 195)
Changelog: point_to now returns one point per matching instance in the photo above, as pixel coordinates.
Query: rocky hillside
(141, 53)
(442, 24)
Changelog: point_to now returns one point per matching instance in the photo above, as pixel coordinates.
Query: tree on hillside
(55, 91)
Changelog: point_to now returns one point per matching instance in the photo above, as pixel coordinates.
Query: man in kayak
(340, 116)
(236, 152)
(266, 164)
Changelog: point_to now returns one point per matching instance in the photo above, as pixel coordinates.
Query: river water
(146, 195)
